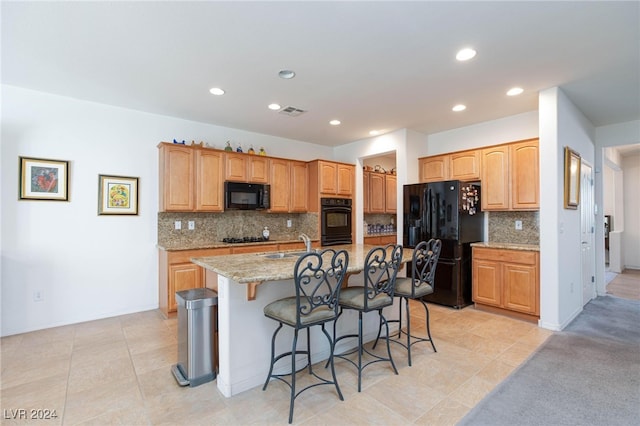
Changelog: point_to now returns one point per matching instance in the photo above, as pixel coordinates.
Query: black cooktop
(243, 240)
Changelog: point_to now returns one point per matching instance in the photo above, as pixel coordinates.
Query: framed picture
(571, 178)
(42, 179)
(117, 195)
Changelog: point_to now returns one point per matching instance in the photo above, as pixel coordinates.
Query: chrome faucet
(307, 241)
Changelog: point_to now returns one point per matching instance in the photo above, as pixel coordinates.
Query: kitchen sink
(283, 255)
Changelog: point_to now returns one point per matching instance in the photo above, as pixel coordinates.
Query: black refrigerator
(449, 211)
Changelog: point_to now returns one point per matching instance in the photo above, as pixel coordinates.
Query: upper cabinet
(241, 167)
(380, 192)
(330, 178)
(288, 180)
(464, 166)
(190, 178)
(510, 176)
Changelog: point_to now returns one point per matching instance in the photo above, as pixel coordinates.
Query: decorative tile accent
(211, 228)
(502, 227)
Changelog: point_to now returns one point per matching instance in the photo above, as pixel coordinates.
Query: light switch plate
(518, 225)
(178, 224)
(192, 225)
(288, 223)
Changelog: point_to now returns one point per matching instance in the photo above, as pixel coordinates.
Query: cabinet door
(299, 193)
(280, 185)
(525, 176)
(519, 287)
(374, 241)
(176, 178)
(328, 177)
(258, 171)
(376, 193)
(388, 239)
(345, 177)
(182, 277)
(465, 165)
(495, 178)
(366, 193)
(391, 193)
(235, 167)
(487, 278)
(209, 180)
(434, 169)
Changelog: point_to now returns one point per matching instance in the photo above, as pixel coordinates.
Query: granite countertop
(507, 246)
(220, 244)
(255, 267)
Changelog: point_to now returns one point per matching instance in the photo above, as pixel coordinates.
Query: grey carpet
(587, 374)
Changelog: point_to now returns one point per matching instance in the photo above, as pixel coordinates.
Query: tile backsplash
(213, 227)
(502, 227)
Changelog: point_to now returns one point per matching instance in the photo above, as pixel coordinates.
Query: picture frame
(117, 195)
(43, 179)
(572, 163)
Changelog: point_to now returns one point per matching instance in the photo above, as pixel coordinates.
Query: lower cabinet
(380, 240)
(178, 273)
(507, 279)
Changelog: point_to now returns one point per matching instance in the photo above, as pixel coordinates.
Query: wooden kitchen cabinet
(329, 179)
(507, 280)
(380, 240)
(190, 179)
(463, 166)
(510, 177)
(434, 168)
(380, 192)
(390, 193)
(288, 180)
(177, 273)
(376, 192)
(240, 167)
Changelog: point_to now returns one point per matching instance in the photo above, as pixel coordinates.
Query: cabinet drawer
(184, 256)
(501, 255)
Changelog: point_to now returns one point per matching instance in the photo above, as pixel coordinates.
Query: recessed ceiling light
(335, 122)
(286, 74)
(274, 107)
(374, 132)
(459, 108)
(216, 91)
(515, 91)
(465, 54)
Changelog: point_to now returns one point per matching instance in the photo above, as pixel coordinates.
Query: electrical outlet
(38, 296)
(518, 225)
(178, 225)
(192, 225)
(288, 223)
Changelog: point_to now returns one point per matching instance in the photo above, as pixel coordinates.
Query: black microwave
(246, 196)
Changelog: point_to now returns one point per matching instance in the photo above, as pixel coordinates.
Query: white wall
(378, 145)
(561, 124)
(89, 266)
(631, 236)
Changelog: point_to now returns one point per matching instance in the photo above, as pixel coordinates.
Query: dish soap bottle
(265, 234)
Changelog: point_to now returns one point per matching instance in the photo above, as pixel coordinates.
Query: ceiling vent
(292, 111)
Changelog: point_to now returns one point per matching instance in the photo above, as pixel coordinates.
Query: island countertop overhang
(255, 268)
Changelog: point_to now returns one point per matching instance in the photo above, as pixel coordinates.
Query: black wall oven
(335, 220)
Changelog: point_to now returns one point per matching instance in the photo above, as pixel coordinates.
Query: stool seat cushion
(403, 288)
(353, 297)
(284, 310)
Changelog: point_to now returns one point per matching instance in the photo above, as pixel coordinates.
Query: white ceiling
(372, 65)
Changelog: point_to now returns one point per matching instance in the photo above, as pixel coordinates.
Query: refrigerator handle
(426, 217)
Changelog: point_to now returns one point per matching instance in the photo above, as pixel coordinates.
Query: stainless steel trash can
(196, 326)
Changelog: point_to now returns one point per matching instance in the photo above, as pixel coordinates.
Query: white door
(587, 221)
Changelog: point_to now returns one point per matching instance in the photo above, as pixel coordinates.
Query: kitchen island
(245, 284)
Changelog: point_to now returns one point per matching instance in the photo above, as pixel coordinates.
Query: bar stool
(318, 277)
(423, 271)
(380, 271)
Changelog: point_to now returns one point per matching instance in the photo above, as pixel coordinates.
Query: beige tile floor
(117, 371)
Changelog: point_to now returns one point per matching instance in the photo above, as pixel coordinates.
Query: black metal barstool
(318, 278)
(419, 284)
(380, 271)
